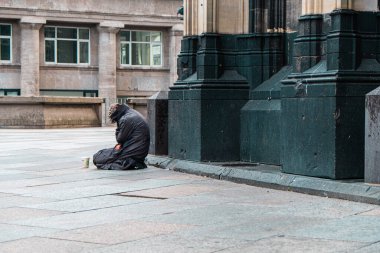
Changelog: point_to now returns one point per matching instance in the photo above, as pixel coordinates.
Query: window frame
(151, 43)
(78, 41)
(85, 93)
(5, 92)
(10, 44)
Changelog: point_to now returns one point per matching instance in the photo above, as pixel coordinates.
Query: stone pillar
(176, 34)
(372, 137)
(30, 55)
(107, 63)
(323, 103)
(203, 92)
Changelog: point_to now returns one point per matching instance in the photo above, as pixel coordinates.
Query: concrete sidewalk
(49, 203)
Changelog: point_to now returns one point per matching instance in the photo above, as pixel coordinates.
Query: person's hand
(118, 147)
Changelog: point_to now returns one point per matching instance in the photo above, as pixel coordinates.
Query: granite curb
(262, 176)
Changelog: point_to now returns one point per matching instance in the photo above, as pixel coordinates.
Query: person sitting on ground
(132, 137)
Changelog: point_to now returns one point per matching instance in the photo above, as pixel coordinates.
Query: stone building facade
(279, 82)
(114, 49)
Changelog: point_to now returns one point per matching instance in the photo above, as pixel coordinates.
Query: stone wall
(10, 77)
(50, 112)
(131, 81)
(68, 78)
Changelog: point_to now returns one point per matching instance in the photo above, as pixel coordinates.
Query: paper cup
(86, 162)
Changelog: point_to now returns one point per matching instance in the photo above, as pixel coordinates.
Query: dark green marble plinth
(260, 122)
(323, 136)
(204, 124)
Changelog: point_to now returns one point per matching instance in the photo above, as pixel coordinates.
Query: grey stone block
(158, 123)
(372, 137)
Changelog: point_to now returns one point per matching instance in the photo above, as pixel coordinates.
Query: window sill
(10, 65)
(68, 66)
(143, 68)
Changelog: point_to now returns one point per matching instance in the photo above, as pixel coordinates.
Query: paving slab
(45, 245)
(87, 204)
(116, 233)
(212, 214)
(20, 213)
(375, 247)
(11, 232)
(295, 245)
(174, 191)
(21, 201)
(352, 228)
(80, 219)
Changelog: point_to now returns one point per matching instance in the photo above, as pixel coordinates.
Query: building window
(67, 45)
(122, 100)
(141, 48)
(9, 92)
(5, 43)
(69, 93)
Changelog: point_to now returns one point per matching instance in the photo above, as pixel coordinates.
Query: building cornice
(91, 17)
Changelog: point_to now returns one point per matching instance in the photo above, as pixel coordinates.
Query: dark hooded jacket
(132, 133)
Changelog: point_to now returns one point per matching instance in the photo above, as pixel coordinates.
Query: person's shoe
(139, 166)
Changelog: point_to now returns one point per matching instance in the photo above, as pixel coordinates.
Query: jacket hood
(117, 111)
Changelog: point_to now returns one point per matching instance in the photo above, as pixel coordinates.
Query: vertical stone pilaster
(344, 4)
(205, 11)
(327, 6)
(187, 5)
(176, 34)
(107, 63)
(216, 16)
(308, 44)
(312, 7)
(30, 55)
(209, 65)
(187, 58)
(267, 16)
(343, 51)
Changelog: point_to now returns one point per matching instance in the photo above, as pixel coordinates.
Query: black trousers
(109, 159)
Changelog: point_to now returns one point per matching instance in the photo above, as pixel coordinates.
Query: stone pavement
(49, 203)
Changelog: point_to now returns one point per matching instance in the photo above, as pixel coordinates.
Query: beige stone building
(122, 50)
